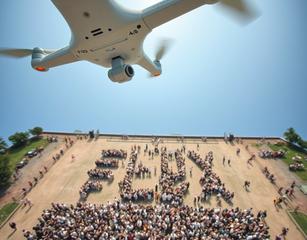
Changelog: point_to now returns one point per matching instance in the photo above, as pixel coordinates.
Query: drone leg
(56, 58)
(154, 67)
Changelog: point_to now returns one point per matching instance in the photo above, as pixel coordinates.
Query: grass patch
(6, 210)
(292, 151)
(301, 219)
(15, 155)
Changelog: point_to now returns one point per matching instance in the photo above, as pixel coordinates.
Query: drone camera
(120, 72)
(129, 70)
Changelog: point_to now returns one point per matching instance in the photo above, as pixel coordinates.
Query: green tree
(5, 172)
(302, 143)
(3, 144)
(36, 132)
(19, 138)
(291, 136)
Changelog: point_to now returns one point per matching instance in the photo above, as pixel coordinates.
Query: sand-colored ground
(31, 170)
(62, 182)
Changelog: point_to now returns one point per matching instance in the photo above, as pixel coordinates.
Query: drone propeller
(15, 53)
(20, 52)
(163, 48)
(241, 10)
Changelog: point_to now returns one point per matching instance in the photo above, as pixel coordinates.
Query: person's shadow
(11, 234)
(29, 209)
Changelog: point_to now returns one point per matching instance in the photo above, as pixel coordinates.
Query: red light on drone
(40, 69)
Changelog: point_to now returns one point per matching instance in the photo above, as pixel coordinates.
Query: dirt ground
(29, 171)
(64, 179)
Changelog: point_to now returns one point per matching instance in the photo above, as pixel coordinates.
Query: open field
(301, 219)
(6, 210)
(292, 152)
(15, 155)
(63, 181)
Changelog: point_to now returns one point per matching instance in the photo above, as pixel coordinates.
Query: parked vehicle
(22, 163)
(40, 149)
(32, 153)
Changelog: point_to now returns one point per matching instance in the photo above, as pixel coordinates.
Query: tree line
(294, 138)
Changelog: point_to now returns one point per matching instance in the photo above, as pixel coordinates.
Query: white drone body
(105, 33)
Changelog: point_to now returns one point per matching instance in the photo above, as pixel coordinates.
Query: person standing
(246, 185)
(13, 226)
(284, 232)
(238, 151)
(29, 202)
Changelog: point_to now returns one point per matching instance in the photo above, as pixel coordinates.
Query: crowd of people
(88, 187)
(271, 154)
(128, 221)
(178, 176)
(142, 171)
(296, 166)
(203, 164)
(269, 175)
(180, 162)
(113, 153)
(211, 183)
(287, 192)
(97, 174)
(170, 220)
(107, 163)
(52, 139)
(68, 142)
(171, 194)
(125, 186)
(100, 174)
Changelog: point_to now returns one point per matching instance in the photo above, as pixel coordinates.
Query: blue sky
(218, 77)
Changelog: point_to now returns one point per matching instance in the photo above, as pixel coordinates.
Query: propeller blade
(15, 53)
(163, 48)
(49, 51)
(241, 10)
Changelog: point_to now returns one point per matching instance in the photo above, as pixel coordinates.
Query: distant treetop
(294, 138)
(36, 131)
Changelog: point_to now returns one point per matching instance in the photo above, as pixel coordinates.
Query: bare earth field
(64, 179)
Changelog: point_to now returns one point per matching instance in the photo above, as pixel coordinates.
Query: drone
(107, 34)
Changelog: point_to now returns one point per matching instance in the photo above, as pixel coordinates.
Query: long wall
(164, 136)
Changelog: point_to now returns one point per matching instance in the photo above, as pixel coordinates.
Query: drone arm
(53, 59)
(154, 67)
(167, 10)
